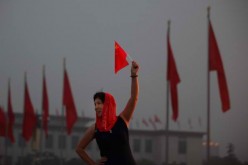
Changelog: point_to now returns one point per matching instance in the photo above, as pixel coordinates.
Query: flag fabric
(173, 78)
(29, 119)
(68, 103)
(189, 123)
(145, 122)
(2, 122)
(152, 123)
(215, 64)
(120, 58)
(156, 119)
(45, 106)
(11, 117)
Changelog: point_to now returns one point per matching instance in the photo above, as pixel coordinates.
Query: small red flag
(145, 122)
(2, 122)
(156, 119)
(120, 58)
(215, 64)
(45, 105)
(189, 122)
(68, 102)
(152, 122)
(11, 117)
(173, 77)
(29, 120)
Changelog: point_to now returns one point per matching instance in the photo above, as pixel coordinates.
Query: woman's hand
(102, 161)
(134, 68)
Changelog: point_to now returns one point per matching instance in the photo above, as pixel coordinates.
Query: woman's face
(98, 107)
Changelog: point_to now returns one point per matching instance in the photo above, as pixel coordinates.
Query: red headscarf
(108, 118)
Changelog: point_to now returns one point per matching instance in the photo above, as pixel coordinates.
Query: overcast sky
(42, 32)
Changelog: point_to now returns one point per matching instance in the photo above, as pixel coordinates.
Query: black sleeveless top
(115, 144)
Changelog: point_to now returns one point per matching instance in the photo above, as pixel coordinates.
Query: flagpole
(42, 109)
(62, 133)
(24, 141)
(208, 96)
(7, 126)
(5, 141)
(167, 113)
(62, 114)
(129, 57)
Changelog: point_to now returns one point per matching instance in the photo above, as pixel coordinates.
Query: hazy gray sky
(35, 33)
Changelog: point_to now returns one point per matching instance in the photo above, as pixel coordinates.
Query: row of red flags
(152, 121)
(11, 119)
(30, 119)
(215, 64)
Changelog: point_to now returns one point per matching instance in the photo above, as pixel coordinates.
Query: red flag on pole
(173, 77)
(156, 119)
(145, 122)
(152, 122)
(215, 64)
(11, 117)
(29, 119)
(189, 122)
(120, 58)
(2, 122)
(45, 105)
(68, 102)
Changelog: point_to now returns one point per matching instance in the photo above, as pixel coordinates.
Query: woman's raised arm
(127, 113)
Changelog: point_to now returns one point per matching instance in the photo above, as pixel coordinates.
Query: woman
(111, 131)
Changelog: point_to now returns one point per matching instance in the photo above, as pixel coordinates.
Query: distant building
(184, 147)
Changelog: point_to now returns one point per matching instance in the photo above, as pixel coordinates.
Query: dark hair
(99, 95)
